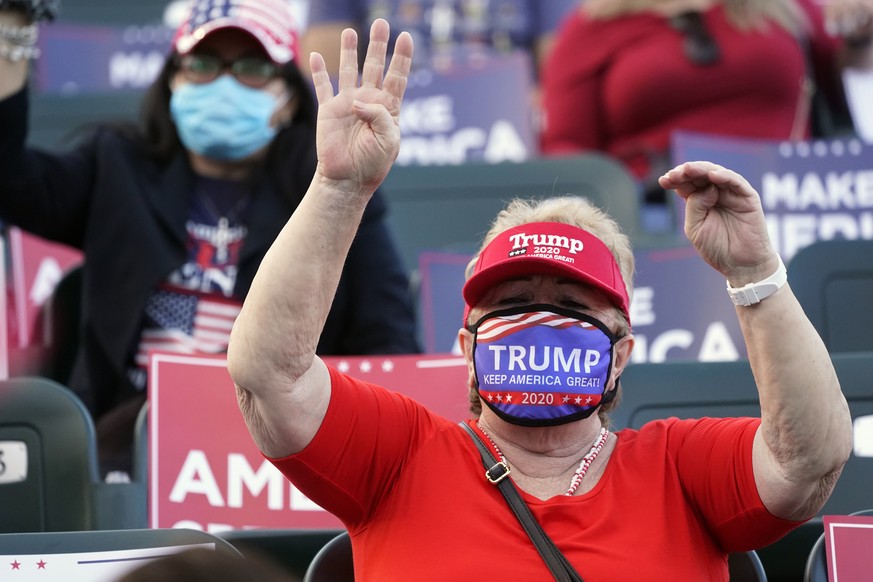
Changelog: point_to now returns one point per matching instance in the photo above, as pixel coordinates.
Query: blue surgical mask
(223, 119)
(542, 365)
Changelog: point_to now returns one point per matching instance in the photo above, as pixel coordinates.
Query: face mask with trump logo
(542, 365)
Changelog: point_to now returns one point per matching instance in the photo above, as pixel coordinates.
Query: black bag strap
(496, 473)
(829, 114)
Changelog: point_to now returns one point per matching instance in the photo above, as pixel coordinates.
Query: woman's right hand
(358, 133)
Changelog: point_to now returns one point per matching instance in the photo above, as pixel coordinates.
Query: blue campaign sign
(810, 190)
(473, 110)
(680, 309)
(440, 302)
(81, 59)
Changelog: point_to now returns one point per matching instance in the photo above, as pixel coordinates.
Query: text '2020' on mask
(223, 119)
(542, 365)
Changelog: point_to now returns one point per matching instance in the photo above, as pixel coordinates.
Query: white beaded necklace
(583, 466)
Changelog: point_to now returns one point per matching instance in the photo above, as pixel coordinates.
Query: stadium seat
(746, 567)
(833, 280)
(784, 559)
(449, 208)
(685, 389)
(292, 549)
(333, 563)
(49, 458)
(124, 505)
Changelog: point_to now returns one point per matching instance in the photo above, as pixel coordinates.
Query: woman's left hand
(724, 220)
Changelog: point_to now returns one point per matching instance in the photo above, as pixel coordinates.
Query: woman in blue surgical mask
(228, 102)
(175, 214)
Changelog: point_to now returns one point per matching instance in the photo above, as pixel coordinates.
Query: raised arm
(282, 387)
(805, 436)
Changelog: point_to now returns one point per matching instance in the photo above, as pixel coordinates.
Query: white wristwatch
(755, 292)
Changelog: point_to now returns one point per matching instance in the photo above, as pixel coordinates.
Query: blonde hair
(574, 210)
(744, 14)
(579, 212)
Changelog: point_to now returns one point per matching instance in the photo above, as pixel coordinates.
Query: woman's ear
(465, 342)
(622, 354)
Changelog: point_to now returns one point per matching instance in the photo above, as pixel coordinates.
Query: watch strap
(754, 292)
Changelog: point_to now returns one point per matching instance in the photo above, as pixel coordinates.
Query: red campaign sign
(848, 540)
(37, 266)
(205, 471)
(28, 280)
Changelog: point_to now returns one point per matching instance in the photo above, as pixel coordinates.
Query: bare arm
(12, 74)
(805, 436)
(321, 38)
(282, 387)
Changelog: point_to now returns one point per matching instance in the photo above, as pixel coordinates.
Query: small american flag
(186, 323)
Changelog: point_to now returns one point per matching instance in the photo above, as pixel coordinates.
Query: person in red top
(546, 335)
(624, 74)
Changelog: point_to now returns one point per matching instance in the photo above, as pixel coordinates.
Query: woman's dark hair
(157, 133)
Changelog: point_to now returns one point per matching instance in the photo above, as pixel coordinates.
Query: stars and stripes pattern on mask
(499, 327)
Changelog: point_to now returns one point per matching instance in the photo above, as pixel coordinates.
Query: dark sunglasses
(700, 46)
(253, 72)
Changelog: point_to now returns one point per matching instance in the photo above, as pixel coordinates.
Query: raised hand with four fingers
(358, 134)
